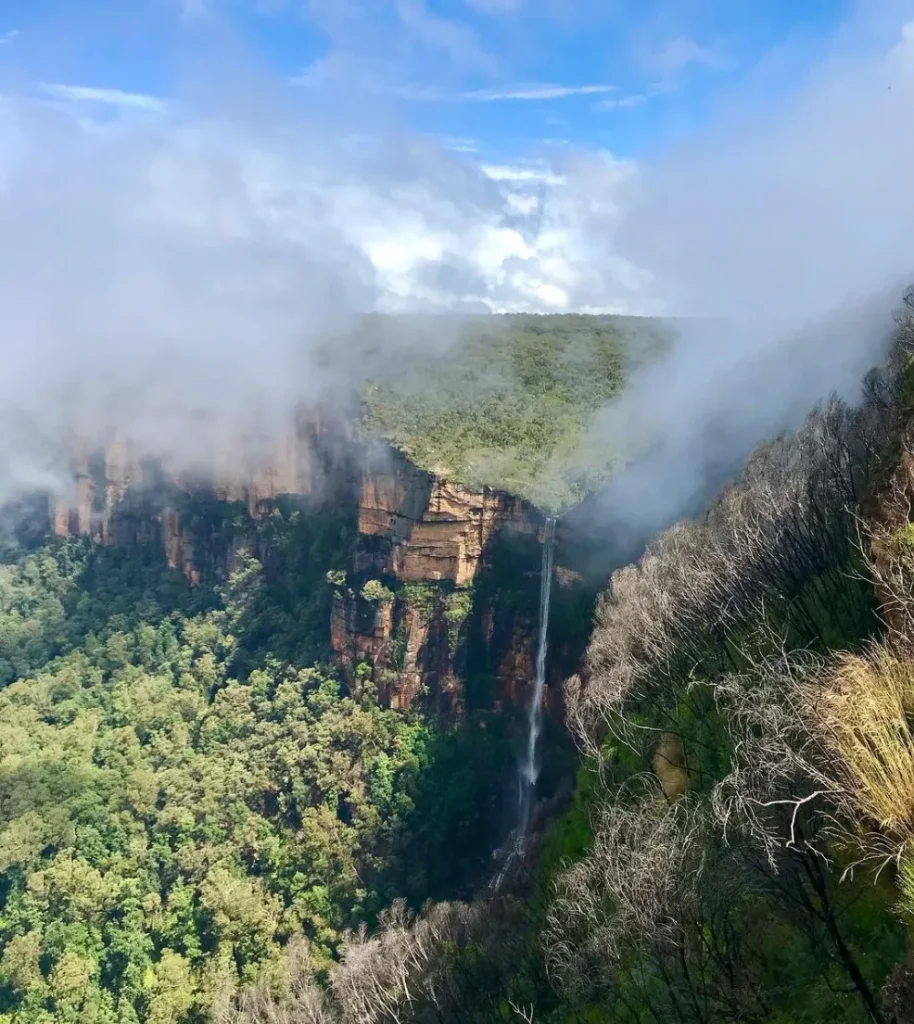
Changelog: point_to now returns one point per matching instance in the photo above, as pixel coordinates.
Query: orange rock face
(417, 529)
(437, 530)
(103, 478)
(119, 474)
(426, 538)
(179, 551)
(515, 664)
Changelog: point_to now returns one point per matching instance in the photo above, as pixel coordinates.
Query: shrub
(457, 607)
(420, 596)
(375, 591)
(336, 577)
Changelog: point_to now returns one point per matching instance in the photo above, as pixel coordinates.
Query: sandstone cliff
(422, 612)
(437, 599)
(121, 493)
(432, 529)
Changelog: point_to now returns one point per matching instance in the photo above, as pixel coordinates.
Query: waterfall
(530, 767)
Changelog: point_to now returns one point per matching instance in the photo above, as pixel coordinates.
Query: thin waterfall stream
(530, 766)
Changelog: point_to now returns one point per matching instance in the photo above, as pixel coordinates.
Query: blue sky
(521, 154)
(628, 76)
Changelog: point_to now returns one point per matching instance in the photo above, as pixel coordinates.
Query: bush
(457, 607)
(375, 591)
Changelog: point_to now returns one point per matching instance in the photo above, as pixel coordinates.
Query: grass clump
(864, 713)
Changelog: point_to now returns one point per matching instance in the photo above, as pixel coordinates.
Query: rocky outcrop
(404, 647)
(120, 494)
(178, 544)
(430, 528)
(103, 476)
(424, 543)
(514, 665)
(268, 471)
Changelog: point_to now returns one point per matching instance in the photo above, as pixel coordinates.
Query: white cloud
(397, 256)
(105, 97)
(522, 91)
(7, 37)
(784, 230)
(624, 102)
(637, 99)
(677, 54)
(176, 263)
(553, 296)
(807, 200)
(515, 173)
(152, 269)
(536, 91)
(522, 204)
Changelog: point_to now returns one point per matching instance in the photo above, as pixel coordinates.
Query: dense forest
(189, 794)
(507, 401)
(200, 820)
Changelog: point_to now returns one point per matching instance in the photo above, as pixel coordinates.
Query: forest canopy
(506, 402)
(186, 785)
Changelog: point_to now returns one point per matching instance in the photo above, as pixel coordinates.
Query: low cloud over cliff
(171, 265)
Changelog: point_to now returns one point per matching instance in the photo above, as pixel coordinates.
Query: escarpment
(429, 528)
(252, 472)
(434, 600)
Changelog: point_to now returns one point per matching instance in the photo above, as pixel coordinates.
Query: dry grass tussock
(862, 711)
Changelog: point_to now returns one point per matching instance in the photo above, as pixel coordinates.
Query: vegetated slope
(189, 798)
(191, 801)
(193, 811)
(741, 844)
(505, 401)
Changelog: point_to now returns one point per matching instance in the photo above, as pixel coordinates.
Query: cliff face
(411, 607)
(431, 529)
(120, 496)
(437, 600)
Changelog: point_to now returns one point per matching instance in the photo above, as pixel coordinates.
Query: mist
(785, 238)
(169, 270)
